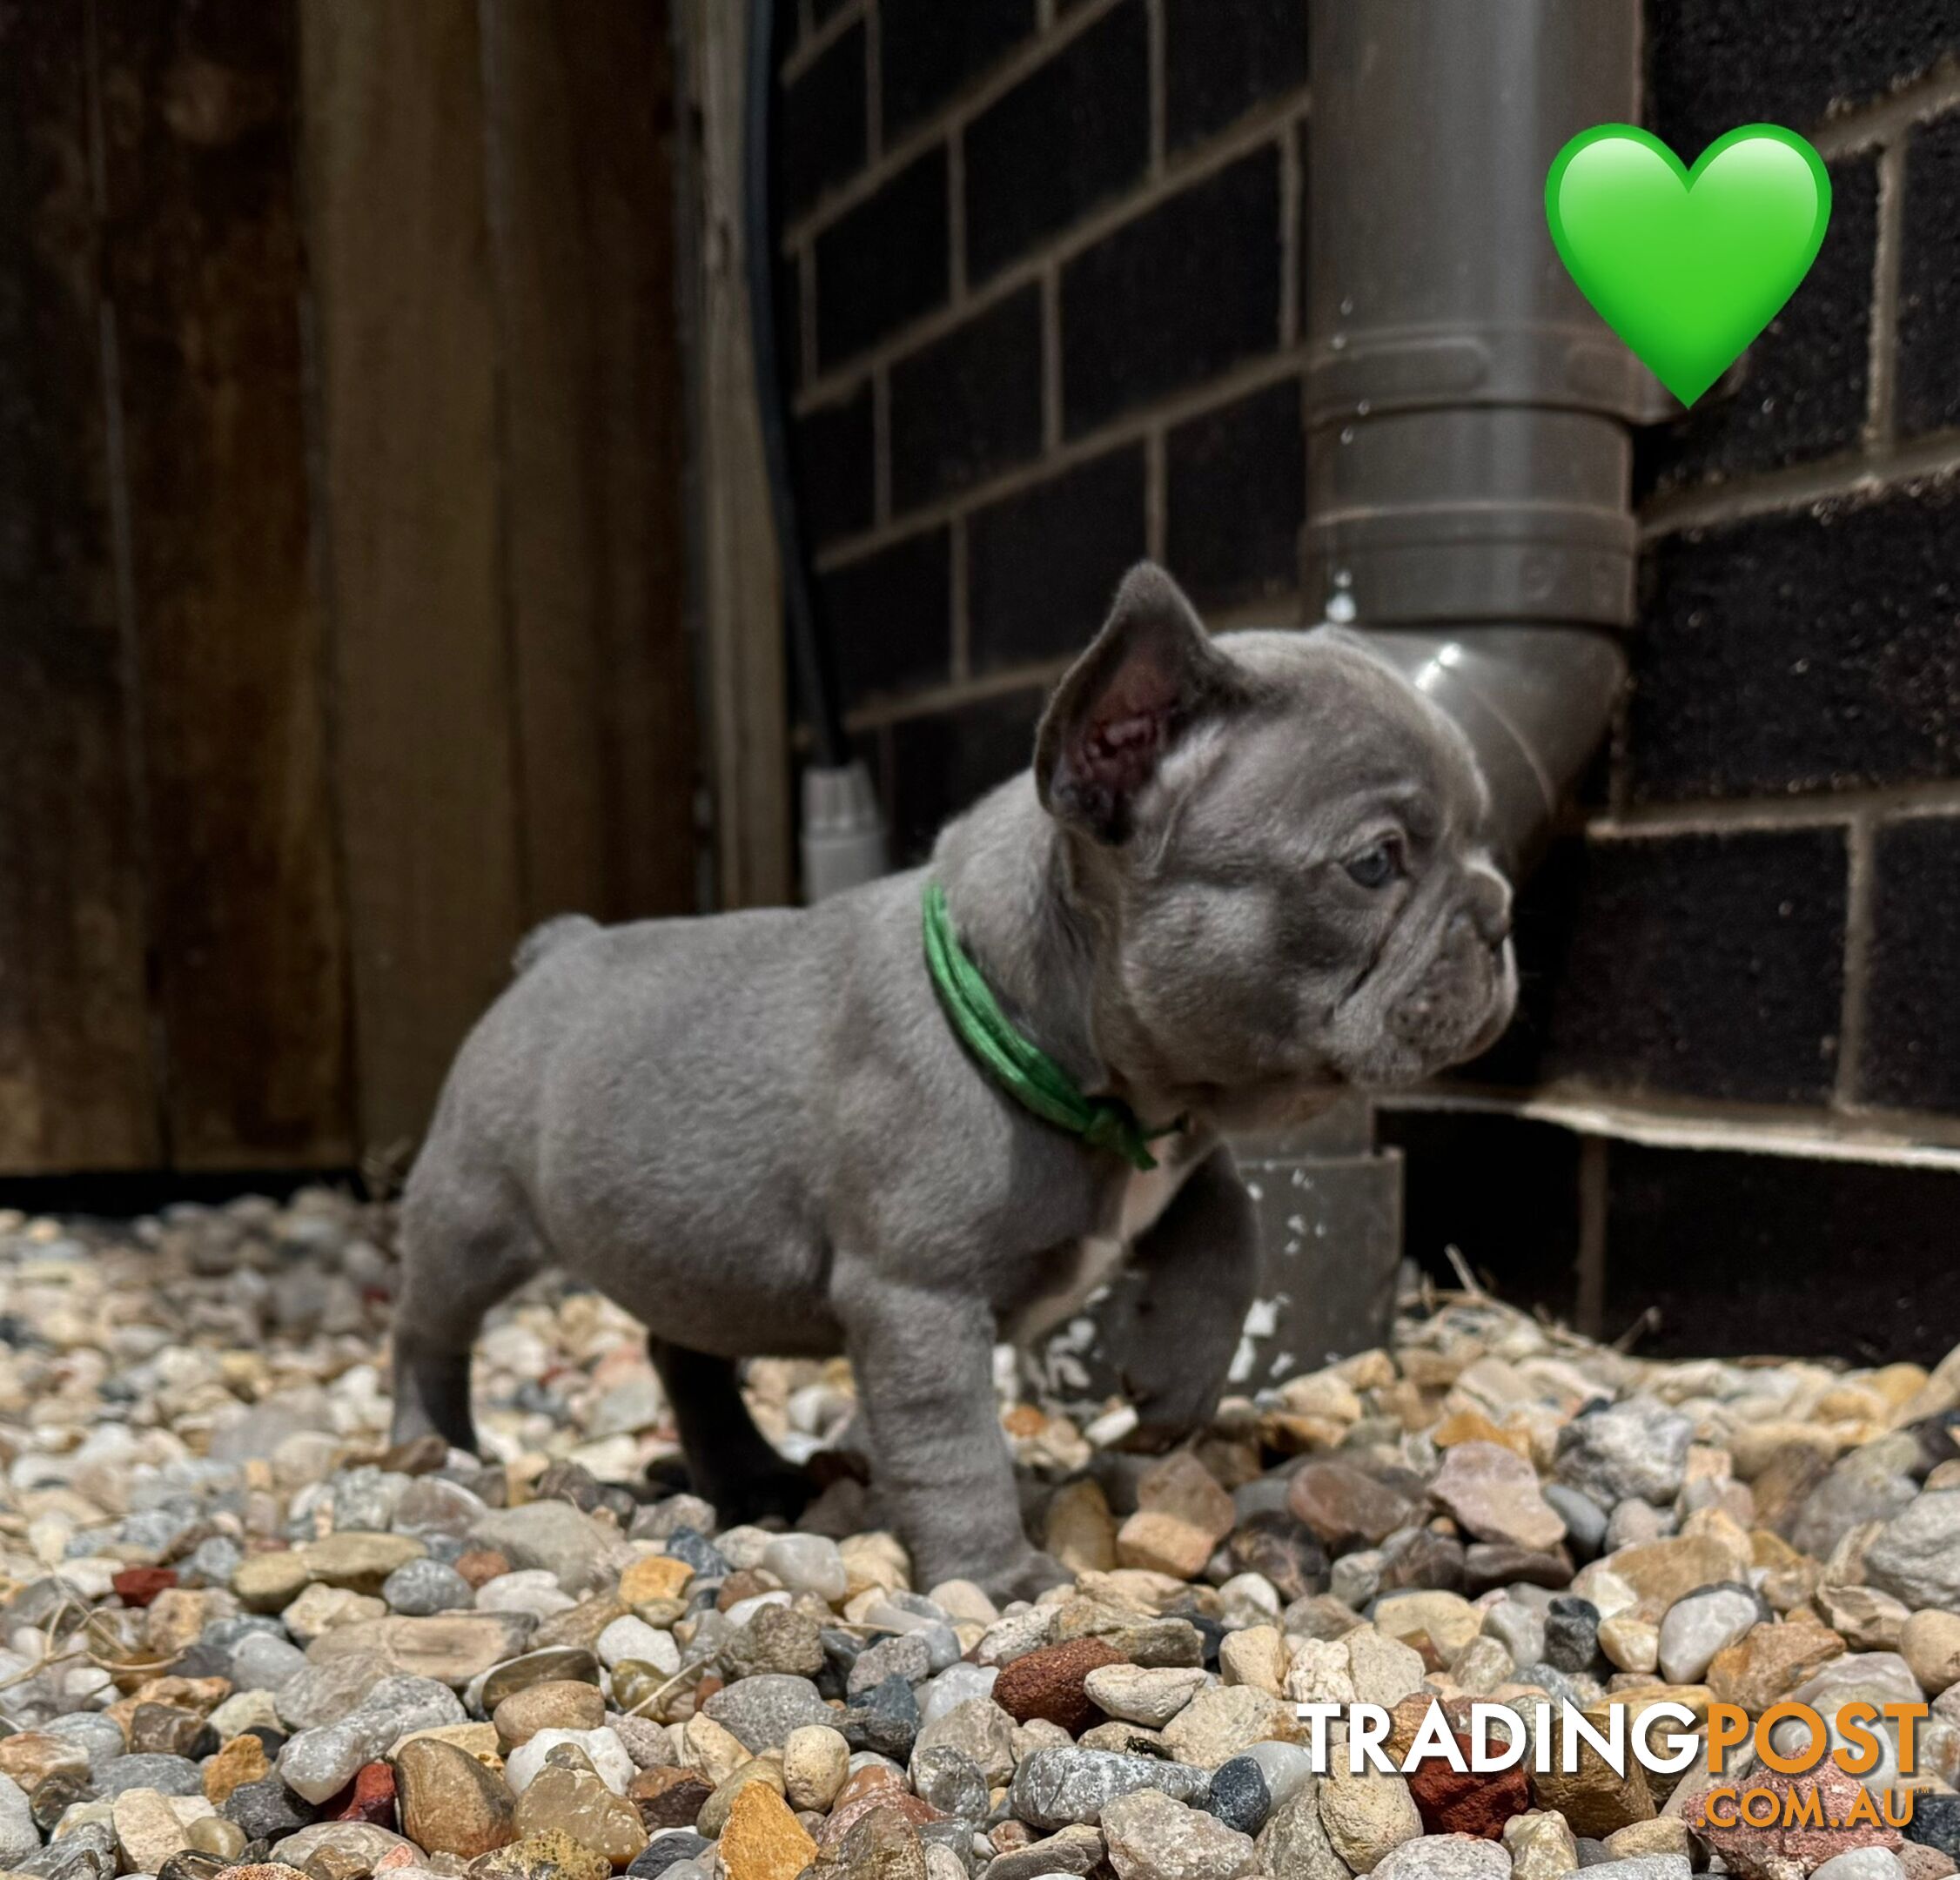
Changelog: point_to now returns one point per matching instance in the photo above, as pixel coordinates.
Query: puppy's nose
(1490, 907)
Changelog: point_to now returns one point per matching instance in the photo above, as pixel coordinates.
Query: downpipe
(1469, 468)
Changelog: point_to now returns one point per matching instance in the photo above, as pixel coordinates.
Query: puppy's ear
(1148, 677)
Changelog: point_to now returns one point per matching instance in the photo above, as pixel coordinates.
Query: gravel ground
(243, 1636)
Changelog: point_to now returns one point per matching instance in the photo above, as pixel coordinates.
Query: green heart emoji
(1688, 265)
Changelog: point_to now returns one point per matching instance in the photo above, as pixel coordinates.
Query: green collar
(1018, 1065)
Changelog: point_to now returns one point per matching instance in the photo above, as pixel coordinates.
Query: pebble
(763, 1840)
(421, 1587)
(809, 1563)
(1451, 1856)
(1149, 1837)
(1494, 1491)
(1704, 1623)
(1637, 1449)
(1054, 1787)
(762, 1710)
(1239, 1795)
(1929, 1643)
(600, 1747)
(1916, 1557)
(19, 1837)
(1136, 1695)
(450, 1803)
(816, 1761)
(574, 1802)
(1366, 1816)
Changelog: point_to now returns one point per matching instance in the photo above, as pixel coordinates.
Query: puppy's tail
(548, 938)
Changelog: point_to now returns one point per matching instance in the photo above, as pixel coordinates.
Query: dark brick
(1043, 565)
(1219, 61)
(1929, 395)
(1713, 64)
(890, 617)
(1744, 1254)
(835, 488)
(968, 406)
(1185, 290)
(1911, 1056)
(1523, 1231)
(1073, 133)
(1698, 965)
(939, 764)
(885, 261)
(928, 51)
(1237, 496)
(1801, 652)
(822, 122)
(1807, 379)
(789, 321)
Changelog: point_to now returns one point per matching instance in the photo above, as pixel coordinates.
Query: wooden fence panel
(391, 97)
(203, 267)
(77, 1083)
(581, 172)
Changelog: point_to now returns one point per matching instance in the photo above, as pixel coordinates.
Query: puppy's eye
(1377, 866)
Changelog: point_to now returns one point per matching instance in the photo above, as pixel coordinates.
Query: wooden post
(202, 267)
(738, 594)
(579, 118)
(78, 1084)
(426, 737)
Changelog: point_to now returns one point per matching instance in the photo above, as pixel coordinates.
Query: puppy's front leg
(1198, 1266)
(924, 1365)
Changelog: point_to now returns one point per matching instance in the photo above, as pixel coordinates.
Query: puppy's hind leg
(467, 1242)
(731, 1463)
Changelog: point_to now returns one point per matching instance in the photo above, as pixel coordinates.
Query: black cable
(810, 647)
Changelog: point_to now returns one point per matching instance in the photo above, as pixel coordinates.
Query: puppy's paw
(752, 1496)
(1026, 1577)
(1166, 1418)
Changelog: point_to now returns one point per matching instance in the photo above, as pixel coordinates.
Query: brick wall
(1045, 265)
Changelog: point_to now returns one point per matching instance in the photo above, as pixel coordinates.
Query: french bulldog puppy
(1244, 875)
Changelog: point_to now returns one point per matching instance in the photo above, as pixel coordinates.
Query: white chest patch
(1144, 1197)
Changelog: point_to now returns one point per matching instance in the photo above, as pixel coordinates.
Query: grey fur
(757, 1132)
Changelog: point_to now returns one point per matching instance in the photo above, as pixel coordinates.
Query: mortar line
(1886, 119)
(1817, 808)
(1083, 235)
(1828, 478)
(1900, 1138)
(1881, 416)
(903, 707)
(954, 694)
(1858, 916)
(817, 40)
(1273, 368)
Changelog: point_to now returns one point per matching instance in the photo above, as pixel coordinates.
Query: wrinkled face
(1296, 892)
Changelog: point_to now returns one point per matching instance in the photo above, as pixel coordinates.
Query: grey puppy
(1244, 874)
